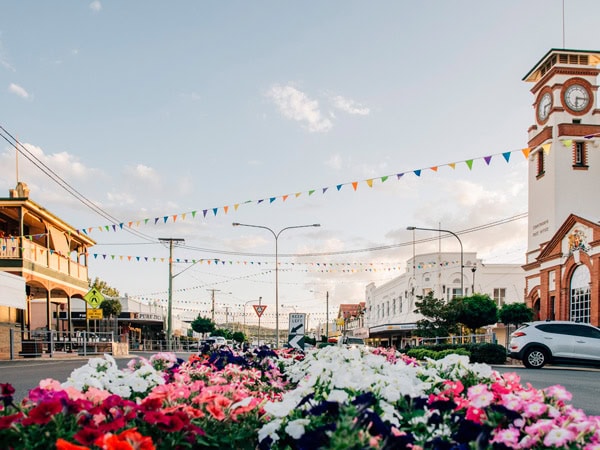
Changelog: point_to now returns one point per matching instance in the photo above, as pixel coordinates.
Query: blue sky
(153, 109)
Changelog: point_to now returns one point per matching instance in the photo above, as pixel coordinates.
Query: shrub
(422, 353)
(487, 353)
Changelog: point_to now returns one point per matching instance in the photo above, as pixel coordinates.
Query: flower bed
(332, 398)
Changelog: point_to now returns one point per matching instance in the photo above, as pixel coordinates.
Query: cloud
(142, 172)
(335, 161)
(295, 105)
(349, 106)
(18, 90)
(120, 198)
(4, 61)
(96, 6)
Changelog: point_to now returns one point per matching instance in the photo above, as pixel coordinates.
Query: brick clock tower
(564, 186)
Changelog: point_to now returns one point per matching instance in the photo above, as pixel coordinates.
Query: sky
(177, 119)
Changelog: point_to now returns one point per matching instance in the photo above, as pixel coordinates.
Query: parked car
(351, 341)
(213, 341)
(543, 342)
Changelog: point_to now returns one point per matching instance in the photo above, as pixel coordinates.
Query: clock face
(544, 106)
(577, 97)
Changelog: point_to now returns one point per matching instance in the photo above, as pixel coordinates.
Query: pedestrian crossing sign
(94, 297)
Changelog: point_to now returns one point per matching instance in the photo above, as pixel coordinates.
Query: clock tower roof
(562, 57)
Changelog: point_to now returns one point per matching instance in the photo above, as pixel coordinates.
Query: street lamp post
(462, 292)
(276, 236)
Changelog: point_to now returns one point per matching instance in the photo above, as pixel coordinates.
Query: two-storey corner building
(50, 256)
(390, 308)
(563, 252)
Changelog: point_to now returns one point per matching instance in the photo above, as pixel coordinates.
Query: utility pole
(170, 303)
(327, 315)
(213, 303)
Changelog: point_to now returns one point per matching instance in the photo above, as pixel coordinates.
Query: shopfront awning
(390, 327)
(12, 291)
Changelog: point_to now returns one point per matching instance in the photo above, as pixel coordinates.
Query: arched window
(579, 295)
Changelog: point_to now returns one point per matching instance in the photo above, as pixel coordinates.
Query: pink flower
(535, 409)
(559, 393)
(558, 437)
(50, 384)
(508, 437)
(480, 396)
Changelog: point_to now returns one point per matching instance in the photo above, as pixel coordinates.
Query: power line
(14, 142)
(363, 250)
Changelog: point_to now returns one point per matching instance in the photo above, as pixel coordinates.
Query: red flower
(151, 404)
(174, 422)
(7, 421)
(155, 417)
(43, 413)
(6, 389)
(87, 435)
(61, 444)
(126, 440)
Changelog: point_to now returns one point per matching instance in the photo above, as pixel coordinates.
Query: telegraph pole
(170, 304)
(213, 303)
(327, 315)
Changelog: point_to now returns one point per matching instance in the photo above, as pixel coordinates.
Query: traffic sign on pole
(94, 297)
(297, 329)
(260, 309)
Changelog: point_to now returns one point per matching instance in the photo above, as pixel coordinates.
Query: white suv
(557, 341)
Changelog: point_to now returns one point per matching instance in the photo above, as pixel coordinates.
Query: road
(581, 382)
(24, 375)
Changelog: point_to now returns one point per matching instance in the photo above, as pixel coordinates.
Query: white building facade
(390, 308)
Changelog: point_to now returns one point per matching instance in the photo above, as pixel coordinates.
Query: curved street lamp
(276, 236)
(462, 292)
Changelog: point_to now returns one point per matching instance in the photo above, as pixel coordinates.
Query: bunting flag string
(487, 159)
(323, 265)
(12, 246)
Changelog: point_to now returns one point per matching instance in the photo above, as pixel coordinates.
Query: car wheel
(534, 358)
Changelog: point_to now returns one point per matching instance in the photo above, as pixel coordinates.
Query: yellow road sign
(94, 314)
(94, 297)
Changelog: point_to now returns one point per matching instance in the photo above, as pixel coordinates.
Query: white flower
(337, 395)
(296, 428)
(281, 408)
(270, 430)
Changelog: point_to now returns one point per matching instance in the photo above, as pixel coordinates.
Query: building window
(540, 163)
(455, 292)
(579, 155)
(499, 296)
(579, 298)
(387, 309)
(394, 306)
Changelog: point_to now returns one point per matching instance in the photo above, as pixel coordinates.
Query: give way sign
(260, 309)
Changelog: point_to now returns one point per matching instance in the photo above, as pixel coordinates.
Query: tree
(104, 288)
(439, 317)
(475, 311)
(111, 308)
(514, 314)
(238, 336)
(202, 325)
(227, 334)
